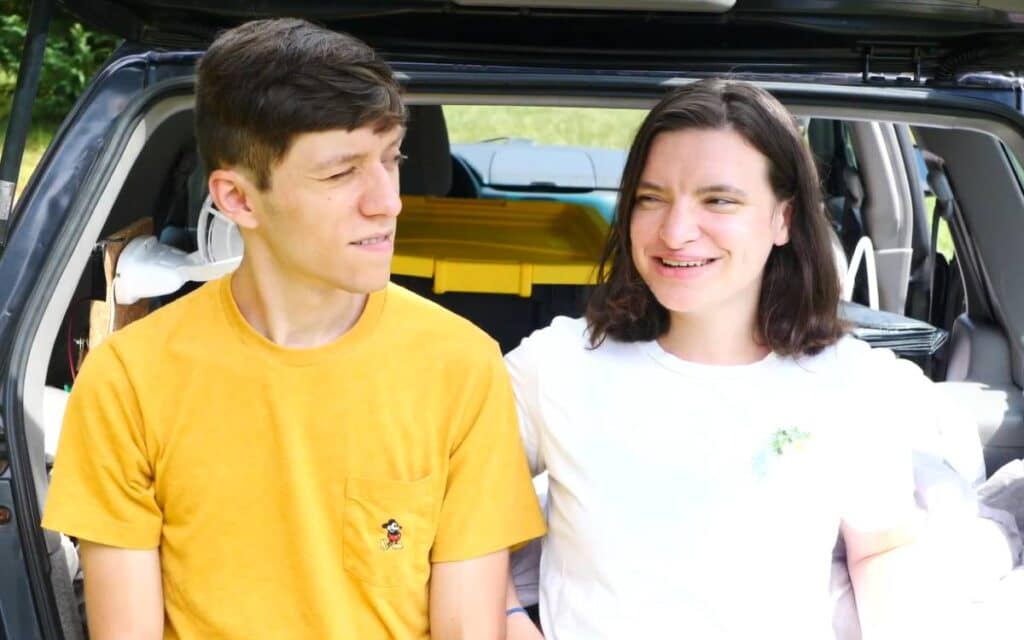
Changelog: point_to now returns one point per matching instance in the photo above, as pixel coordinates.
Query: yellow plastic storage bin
(497, 246)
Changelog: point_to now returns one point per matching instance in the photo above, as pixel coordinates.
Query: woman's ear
(781, 219)
(233, 193)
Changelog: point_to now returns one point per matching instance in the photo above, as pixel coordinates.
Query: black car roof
(933, 39)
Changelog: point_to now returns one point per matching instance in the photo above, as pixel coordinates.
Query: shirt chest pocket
(389, 530)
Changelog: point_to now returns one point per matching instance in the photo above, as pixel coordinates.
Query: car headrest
(428, 170)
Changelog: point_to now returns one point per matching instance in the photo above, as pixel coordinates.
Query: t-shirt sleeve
(489, 502)
(103, 483)
(523, 364)
(879, 477)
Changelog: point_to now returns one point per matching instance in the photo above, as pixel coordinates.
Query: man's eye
(720, 202)
(340, 174)
(399, 159)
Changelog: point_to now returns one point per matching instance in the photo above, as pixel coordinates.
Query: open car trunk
(153, 146)
(125, 166)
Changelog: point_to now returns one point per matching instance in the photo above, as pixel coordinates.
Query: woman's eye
(646, 198)
(720, 202)
(398, 160)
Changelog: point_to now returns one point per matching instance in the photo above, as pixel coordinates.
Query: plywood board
(107, 316)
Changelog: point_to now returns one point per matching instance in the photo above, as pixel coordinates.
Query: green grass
(608, 128)
(945, 238)
(38, 139)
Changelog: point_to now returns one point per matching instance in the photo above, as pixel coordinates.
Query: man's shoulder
(186, 318)
(428, 323)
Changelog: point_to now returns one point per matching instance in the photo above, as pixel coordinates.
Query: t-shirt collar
(696, 369)
(362, 329)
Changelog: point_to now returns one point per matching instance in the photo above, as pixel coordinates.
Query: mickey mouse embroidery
(393, 537)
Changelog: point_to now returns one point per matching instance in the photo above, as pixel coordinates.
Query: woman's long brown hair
(797, 310)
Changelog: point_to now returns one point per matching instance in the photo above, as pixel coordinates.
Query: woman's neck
(720, 339)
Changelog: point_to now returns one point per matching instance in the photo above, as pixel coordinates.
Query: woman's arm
(884, 567)
(905, 581)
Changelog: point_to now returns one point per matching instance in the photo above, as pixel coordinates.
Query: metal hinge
(911, 55)
(6, 205)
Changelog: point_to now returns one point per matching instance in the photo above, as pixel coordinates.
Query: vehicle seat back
(428, 168)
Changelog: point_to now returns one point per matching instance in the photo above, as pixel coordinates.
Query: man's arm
(519, 625)
(467, 598)
(123, 592)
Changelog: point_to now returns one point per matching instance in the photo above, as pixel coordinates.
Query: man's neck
(294, 313)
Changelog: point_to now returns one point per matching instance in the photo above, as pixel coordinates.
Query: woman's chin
(681, 304)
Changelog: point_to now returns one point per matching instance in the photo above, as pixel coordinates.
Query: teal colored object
(602, 201)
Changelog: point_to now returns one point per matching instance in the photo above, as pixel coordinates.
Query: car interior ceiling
(983, 369)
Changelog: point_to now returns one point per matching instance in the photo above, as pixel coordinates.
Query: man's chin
(366, 284)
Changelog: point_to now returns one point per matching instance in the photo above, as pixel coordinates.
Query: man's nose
(381, 197)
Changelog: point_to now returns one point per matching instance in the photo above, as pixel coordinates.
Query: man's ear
(783, 216)
(233, 193)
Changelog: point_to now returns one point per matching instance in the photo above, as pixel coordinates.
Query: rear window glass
(543, 149)
(575, 127)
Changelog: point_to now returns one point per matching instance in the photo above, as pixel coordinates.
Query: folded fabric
(1004, 491)
(905, 336)
(979, 528)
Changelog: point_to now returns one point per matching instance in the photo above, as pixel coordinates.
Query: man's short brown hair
(264, 82)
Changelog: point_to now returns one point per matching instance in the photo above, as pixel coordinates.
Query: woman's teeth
(685, 263)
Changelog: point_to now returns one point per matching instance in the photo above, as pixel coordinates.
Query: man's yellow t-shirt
(295, 493)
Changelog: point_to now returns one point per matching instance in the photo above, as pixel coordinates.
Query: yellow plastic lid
(498, 246)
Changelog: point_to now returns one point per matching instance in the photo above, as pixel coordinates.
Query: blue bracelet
(516, 610)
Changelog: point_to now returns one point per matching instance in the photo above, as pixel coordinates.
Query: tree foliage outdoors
(73, 54)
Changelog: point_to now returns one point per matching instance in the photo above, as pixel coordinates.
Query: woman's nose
(680, 225)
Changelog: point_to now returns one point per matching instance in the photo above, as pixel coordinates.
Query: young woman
(708, 428)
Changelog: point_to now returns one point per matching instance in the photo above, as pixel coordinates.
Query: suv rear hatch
(937, 39)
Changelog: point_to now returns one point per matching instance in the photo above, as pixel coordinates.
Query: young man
(300, 450)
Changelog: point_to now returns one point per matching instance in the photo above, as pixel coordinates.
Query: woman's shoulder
(852, 359)
(563, 335)
(565, 343)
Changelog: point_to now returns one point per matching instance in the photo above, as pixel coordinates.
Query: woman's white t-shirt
(701, 501)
